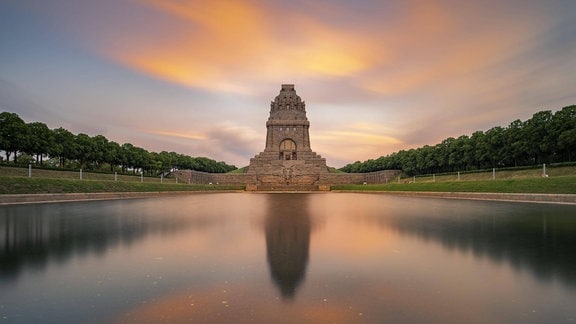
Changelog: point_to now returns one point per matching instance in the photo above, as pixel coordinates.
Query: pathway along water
(519, 197)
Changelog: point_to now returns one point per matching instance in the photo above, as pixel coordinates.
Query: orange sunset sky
(197, 77)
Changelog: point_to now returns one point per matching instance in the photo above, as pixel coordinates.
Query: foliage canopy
(31, 142)
(545, 138)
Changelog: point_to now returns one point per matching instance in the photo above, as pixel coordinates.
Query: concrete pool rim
(15, 199)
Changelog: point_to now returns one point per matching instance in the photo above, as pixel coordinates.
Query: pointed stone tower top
(288, 100)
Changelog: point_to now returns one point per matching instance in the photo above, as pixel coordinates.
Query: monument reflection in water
(287, 258)
(288, 226)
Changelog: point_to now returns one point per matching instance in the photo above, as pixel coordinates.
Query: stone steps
(267, 187)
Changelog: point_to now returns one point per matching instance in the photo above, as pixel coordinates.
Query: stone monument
(287, 162)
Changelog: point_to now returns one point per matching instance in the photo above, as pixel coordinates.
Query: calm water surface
(288, 258)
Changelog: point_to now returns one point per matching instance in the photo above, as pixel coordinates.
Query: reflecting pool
(288, 258)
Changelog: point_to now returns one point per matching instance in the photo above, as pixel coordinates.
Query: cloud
(230, 46)
(416, 71)
(179, 135)
(358, 141)
(445, 42)
(13, 99)
(235, 139)
(222, 141)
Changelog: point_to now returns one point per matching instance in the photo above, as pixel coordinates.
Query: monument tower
(287, 162)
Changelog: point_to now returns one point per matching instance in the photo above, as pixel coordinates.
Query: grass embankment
(560, 180)
(16, 181)
(75, 175)
(20, 185)
(239, 170)
(557, 185)
(500, 174)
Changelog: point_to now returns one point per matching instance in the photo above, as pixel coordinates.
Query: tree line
(26, 143)
(545, 138)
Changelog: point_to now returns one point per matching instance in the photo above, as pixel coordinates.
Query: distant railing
(542, 170)
(82, 175)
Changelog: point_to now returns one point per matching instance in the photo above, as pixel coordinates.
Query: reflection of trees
(538, 238)
(31, 236)
(288, 228)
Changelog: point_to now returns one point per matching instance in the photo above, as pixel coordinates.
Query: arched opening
(288, 150)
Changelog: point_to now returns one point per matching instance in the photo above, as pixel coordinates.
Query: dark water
(288, 258)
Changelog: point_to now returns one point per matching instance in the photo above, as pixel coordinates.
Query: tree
(567, 143)
(112, 155)
(101, 150)
(494, 143)
(12, 134)
(467, 152)
(84, 149)
(537, 133)
(564, 129)
(39, 139)
(127, 156)
(545, 137)
(91, 152)
(516, 144)
(62, 146)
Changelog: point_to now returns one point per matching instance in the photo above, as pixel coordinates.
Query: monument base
(286, 175)
(287, 188)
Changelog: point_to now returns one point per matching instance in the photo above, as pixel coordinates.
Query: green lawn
(551, 185)
(24, 185)
(526, 172)
(75, 175)
(562, 180)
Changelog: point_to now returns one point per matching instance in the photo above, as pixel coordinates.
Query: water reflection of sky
(287, 258)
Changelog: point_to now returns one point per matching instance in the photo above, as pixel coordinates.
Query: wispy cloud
(228, 45)
(377, 76)
(180, 135)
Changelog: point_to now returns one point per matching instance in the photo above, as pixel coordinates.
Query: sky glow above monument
(197, 77)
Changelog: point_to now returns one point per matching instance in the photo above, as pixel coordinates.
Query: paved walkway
(520, 197)
(64, 197)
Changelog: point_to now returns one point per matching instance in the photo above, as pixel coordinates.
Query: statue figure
(287, 172)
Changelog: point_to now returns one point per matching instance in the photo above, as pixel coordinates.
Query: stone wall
(197, 177)
(358, 178)
(325, 179)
